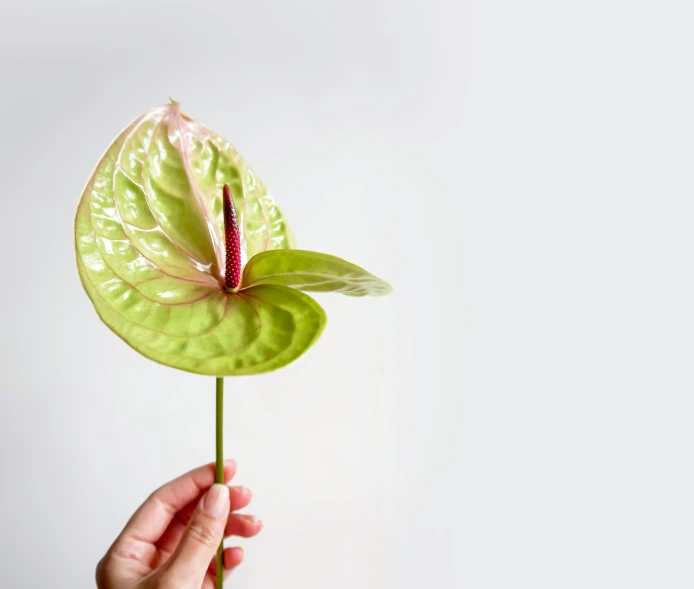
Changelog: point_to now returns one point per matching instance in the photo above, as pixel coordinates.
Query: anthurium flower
(186, 256)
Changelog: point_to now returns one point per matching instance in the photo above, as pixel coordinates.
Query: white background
(517, 414)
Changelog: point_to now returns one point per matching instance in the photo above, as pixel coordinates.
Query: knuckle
(202, 532)
(177, 577)
(173, 578)
(99, 573)
(106, 571)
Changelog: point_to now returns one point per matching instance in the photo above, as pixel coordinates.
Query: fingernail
(215, 504)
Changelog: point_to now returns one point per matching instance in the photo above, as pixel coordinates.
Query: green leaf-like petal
(217, 333)
(149, 235)
(312, 271)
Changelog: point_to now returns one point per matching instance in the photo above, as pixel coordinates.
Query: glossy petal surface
(312, 271)
(150, 246)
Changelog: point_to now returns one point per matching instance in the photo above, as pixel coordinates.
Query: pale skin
(171, 540)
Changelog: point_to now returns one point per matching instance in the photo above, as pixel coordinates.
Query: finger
(189, 564)
(245, 526)
(152, 519)
(239, 497)
(233, 557)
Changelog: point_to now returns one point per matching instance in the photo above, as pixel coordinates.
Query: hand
(171, 540)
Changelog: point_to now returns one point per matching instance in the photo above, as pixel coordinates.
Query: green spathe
(312, 271)
(149, 234)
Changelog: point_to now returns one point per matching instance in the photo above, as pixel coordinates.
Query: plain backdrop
(517, 414)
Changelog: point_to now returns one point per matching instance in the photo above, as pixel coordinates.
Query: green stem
(219, 438)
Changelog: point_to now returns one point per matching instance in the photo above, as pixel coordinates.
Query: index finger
(150, 521)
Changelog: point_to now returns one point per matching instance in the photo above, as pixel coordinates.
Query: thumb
(205, 531)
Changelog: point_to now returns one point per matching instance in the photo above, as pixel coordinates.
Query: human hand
(171, 540)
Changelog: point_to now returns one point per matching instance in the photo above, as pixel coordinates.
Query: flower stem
(219, 438)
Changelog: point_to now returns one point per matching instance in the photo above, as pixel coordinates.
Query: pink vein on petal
(118, 312)
(133, 287)
(224, 146)
(124, 318)
(88, 194)
(135, 126)
(186, 164)
(149, 206)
